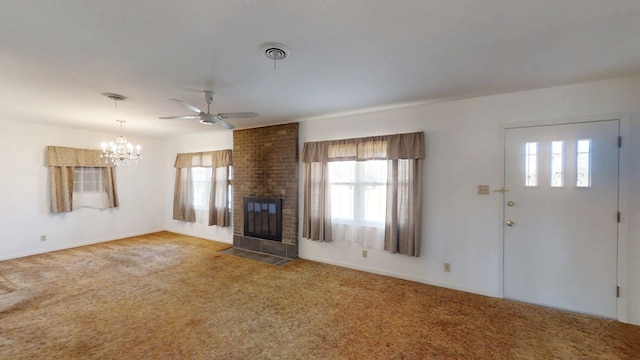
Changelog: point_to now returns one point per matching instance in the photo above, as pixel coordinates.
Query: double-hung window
(358, 192)
(88, 188)
(201, 178)
(358, 199)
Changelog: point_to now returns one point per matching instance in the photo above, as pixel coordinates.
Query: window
(358, 192)
(203, 188)
(583, 162)
(557, 164)
(201, 178)
(230, 189)
(531, 164)
(88, 188)
(87, 179)
(346, 187)
(342, 176)
(79, 178)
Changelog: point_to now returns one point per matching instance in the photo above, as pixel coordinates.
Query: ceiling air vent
(275, 51)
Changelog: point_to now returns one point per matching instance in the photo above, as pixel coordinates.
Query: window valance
(214, 159)
(66, 156)
(386, 147)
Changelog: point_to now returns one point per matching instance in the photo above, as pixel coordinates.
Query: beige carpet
(168, 296)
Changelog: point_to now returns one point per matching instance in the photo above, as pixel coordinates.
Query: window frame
(359, 187)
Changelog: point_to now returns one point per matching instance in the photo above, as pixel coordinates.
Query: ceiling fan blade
(180, 117)
(238, 115)
(224, 124)
(188, 106)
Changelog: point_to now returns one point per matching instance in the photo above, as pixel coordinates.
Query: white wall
(24, 214)
(208, 141)
(464, 150)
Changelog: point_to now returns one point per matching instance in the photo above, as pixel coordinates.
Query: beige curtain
(60, 189)
(219, 161)
(183, 196)
(316, 221)
(109, 181)
(404, 207)
(404, 154)
(403, 223)
(219, 213)
(61, 162)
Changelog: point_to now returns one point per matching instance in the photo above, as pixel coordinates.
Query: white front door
(560, 216)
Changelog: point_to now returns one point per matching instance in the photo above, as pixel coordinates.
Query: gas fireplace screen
(263, 218)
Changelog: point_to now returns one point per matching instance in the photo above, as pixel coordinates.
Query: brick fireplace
(265, 165)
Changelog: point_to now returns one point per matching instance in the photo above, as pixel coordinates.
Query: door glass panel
(583, 163)
(531, 164)
(557, 164)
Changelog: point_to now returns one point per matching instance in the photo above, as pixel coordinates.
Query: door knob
(510, 223)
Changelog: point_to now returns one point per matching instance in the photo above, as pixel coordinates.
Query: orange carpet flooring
(169, 296)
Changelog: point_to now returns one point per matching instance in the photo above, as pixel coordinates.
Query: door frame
(623, 196)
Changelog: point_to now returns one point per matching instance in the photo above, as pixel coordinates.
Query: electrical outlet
(364, 253)
(43, 237)
(447, 267)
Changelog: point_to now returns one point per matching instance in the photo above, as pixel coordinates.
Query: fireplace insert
(263, 217)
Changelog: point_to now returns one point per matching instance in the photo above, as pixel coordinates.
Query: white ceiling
(57, 57)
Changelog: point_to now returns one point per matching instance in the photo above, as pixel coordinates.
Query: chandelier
(121, 153)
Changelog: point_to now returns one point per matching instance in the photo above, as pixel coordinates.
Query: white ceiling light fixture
(120, 152)
(275, 51)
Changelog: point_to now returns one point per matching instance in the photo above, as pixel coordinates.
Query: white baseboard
(71, 246)
(402, 276)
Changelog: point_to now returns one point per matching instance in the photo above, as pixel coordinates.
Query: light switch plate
(483, 189)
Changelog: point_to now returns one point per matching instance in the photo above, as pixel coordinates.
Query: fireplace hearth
(263, 227)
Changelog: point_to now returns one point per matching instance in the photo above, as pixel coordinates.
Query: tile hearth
(261, 257)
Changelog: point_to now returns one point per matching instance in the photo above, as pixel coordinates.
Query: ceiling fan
(208, 118)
